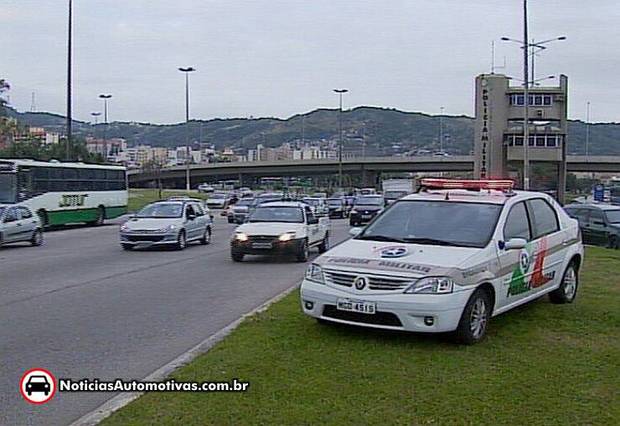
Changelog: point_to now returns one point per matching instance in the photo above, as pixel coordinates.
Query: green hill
(384, 130)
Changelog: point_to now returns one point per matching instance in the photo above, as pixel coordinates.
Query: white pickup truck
(281, 228)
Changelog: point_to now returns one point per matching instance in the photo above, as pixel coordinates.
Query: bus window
(8, 188)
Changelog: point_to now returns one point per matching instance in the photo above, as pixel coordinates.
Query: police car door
(515, 263)
(548, 248)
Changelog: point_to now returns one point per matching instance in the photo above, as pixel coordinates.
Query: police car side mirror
(355, 231)
(515, 244)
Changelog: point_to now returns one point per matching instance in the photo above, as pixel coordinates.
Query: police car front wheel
(475, 318)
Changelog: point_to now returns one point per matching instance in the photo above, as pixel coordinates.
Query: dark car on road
(37, 383)
(365, 208)
(599, 223)
(337, 207)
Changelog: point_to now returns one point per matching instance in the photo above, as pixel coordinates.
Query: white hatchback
(447, 259)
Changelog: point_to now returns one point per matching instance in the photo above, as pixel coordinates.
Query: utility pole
(587, 129)
(188, 153)
(441, 130)
(69, 129)
(526, 103)
(340, 92)
(105, 129)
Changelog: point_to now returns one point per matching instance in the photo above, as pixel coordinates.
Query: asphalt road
(82, 307)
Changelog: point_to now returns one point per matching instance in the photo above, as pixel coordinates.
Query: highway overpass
(369, 168)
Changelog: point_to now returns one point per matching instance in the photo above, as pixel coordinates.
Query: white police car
(448, 259)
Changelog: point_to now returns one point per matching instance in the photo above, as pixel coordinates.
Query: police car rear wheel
(236, 257)
(475, 318)
(567, 291)
(613, 242)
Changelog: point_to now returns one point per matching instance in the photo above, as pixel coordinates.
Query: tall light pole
(587, 129)
(441, 129)
(186, 71)
(535, 46)
(69, 129)
(340, 92)
(105, 98)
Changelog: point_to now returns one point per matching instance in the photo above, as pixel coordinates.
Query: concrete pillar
(370, 179)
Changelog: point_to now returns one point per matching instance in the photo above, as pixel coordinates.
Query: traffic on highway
(443, 256)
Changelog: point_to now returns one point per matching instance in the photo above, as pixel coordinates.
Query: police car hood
(269, 228)
(401, 259)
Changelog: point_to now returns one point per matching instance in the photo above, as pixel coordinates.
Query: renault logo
(360, 283)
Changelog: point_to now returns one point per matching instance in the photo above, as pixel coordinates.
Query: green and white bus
(62, 193)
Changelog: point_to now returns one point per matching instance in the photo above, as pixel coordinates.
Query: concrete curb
(121, 400)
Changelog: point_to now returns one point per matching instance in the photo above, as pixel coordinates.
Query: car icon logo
(391, 252)
(360, 283)
(37, 386)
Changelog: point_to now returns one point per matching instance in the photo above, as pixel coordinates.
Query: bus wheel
(45, 222)
(100, 217)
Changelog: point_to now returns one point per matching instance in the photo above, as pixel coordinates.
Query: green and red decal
(519, 282)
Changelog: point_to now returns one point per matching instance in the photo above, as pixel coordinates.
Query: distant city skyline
(277, 58)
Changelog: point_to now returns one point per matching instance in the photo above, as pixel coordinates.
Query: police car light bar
(497, 184)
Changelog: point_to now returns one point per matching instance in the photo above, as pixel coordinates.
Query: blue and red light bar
(496, 184)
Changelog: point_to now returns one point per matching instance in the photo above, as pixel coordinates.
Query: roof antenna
(447, 196)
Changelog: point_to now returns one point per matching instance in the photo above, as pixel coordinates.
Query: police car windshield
(369, 201)
(334, 202)
(277, 214)
(449, 223)
(613, 216)
(162, 210)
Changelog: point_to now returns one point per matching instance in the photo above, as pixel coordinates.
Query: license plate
(366, 216)
(262, 245)
(356, 306)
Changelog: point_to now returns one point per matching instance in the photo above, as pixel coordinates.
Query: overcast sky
(283, 57)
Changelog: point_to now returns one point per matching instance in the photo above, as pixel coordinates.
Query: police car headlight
(315, 273)
(287, 236)
(124, 228)
(240, 236)
(354, 211)
(168, 228)
(432, 285)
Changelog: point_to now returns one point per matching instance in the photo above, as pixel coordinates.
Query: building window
(540, 141)
(534, 100)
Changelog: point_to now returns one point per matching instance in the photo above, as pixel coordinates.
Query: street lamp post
(441, 130)
(95, 116)
(105, 98)
(69, 129)
(587, 129)
(186, 71)
(340, 92)
(526, 46)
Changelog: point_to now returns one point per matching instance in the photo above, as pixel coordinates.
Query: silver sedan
(167, 223)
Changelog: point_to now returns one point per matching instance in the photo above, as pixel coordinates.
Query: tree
(4, 87)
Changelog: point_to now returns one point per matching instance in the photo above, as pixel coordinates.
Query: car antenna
(447, 196)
